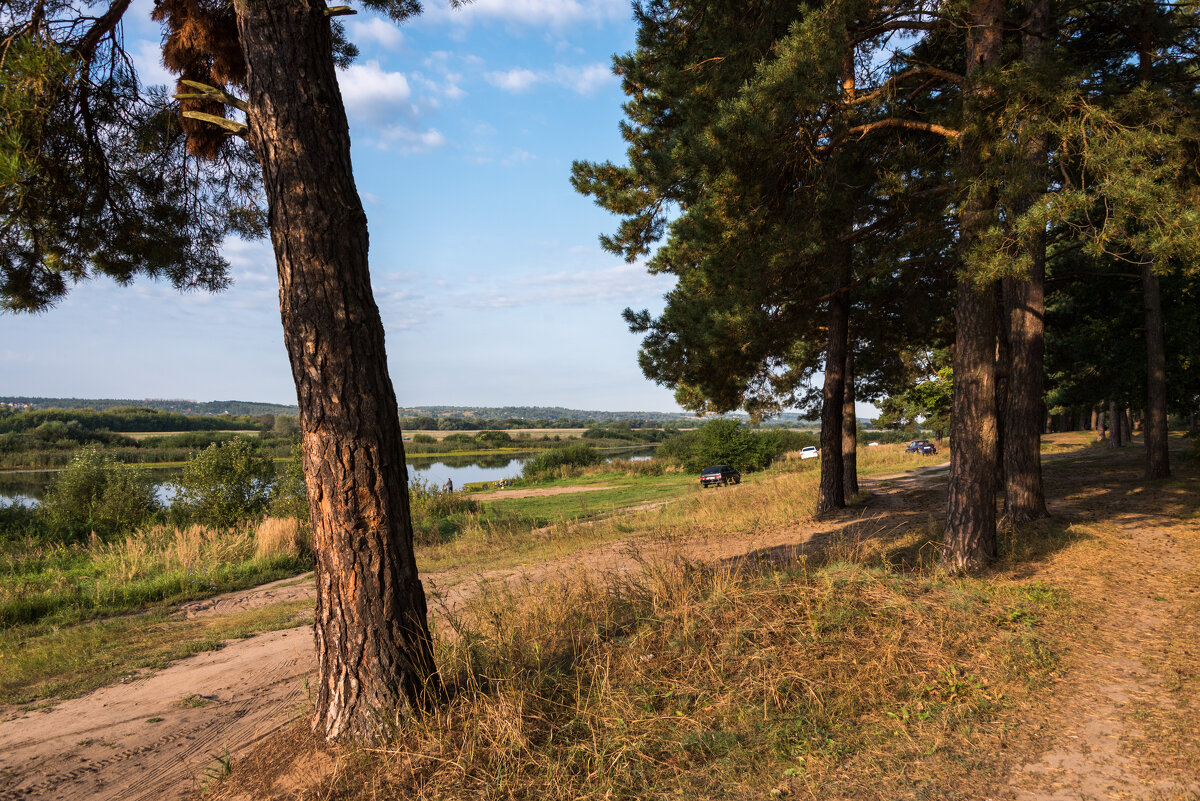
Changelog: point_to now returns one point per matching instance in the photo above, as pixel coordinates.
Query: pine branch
(233, 126)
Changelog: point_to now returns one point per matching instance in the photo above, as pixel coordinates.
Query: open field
(951, 687)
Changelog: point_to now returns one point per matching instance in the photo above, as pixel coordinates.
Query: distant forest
(413, 417)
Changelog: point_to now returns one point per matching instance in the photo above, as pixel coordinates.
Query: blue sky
(486, 265)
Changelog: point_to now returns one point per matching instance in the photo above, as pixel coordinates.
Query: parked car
(922, 446)
(719, 476)
(809, 452)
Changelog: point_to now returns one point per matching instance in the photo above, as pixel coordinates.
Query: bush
(722, 442)
(96, 493)
(550, 464)
(493, 439)
(437, 516)
(289, 496)
(224, 485)
(424, 439)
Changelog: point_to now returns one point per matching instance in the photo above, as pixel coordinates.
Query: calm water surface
(28, 487)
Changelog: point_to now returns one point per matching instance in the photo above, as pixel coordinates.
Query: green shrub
(437, 516)
(493, 439)
(96, 493)
(289, 496)
(722, 441)
(424, 439)
(224, 485)
(550, 464)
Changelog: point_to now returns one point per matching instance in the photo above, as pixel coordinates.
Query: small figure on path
(449, 485)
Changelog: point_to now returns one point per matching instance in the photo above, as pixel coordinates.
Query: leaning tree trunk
(374, 657)
(832, 494)
(1154, 423)
(849, 432)
(970, 540)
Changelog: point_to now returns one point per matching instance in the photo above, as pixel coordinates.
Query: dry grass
(834, 680)
(276, 536)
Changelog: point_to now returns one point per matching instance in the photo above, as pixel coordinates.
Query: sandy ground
(138, 740)
(535, 493)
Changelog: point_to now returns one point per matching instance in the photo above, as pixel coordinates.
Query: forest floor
(1119, 717)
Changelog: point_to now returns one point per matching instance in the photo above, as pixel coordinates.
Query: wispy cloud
(555, 13)
(625, 283)
(407, 141)
(584, 79)
(514, 80)
(377, 31)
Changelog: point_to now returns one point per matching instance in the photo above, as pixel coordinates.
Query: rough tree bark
(970, 540)
(1024, 306)
(1101, 413)
(1097, 425)
(832, 494)
(1154, 424)
(849, 431)
(375, 660)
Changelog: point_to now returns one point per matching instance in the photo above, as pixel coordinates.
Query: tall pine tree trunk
(1114, 426)
(374, 654)
(1154, 426)
(850, 431)
(970, 540)
(1025, 306)
(832, 494)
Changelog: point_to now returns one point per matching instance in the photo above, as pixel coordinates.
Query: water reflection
(28, 487)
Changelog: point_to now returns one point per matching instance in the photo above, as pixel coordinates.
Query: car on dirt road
(809, 452)
(921, 446)
(719, 476)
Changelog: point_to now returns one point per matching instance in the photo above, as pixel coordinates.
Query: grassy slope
(860, 671)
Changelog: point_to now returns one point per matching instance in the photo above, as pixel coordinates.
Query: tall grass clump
(437, 516)
(57, 584)
(560, 462)
(282, 536)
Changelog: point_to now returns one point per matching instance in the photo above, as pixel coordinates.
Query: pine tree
(373, 645)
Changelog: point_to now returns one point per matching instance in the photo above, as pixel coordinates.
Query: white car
(809, 453)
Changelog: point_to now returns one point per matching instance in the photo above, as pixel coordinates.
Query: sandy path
(1095, 744)
(534, 493)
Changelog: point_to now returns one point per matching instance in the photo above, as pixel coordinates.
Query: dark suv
(718, 476)
(922, 446)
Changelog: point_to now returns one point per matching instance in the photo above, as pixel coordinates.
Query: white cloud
(583, 80)
(376, 30)
(624, 284)
(515, 80)
(405, 140)
(554, 13)
(586, 79)
(371, 92)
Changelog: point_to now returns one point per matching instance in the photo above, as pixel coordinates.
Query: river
(28, 487)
